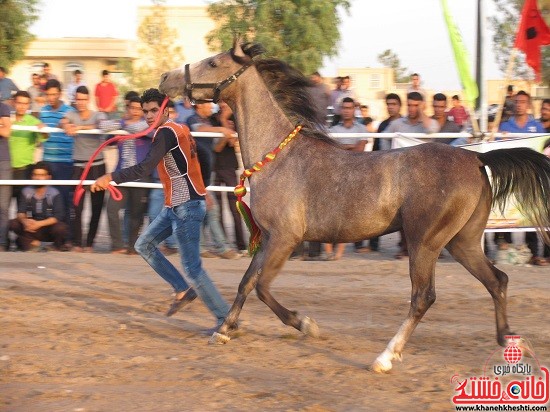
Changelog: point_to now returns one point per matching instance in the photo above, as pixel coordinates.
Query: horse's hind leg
(465, 247)
(422, 269)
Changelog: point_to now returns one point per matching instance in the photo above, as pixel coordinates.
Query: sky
(413, 29)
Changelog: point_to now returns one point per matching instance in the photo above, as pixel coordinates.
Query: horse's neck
(261, 124)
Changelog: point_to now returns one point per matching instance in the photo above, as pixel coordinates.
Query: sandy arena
(87, 332)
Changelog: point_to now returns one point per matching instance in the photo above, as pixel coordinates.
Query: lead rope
(255, 240)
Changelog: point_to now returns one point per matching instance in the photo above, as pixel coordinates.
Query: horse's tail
(524, 173)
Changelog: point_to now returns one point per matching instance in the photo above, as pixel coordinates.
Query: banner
(462, 59)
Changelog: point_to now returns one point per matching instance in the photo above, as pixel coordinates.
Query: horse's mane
(290, 88)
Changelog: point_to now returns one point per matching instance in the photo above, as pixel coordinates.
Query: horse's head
(207, 79)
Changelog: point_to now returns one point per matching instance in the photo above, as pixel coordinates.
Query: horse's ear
(253, 49)
(237, 50)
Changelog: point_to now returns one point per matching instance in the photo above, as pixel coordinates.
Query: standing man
(458, 112)
(7, 86)
(416, 121)
(47, 71)
(522, 122)
(439, 104)
(75, 84)
(58, 148)
(106, 95)
(5, 172)
(174, 152)
(348, 124)
(38, 98)
(320, 95)
(23, 142)
(416, 85)
(84, 147)
(545, 114)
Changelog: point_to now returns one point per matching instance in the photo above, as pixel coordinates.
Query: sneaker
(209, 255)
(230, 254)
(189, 296)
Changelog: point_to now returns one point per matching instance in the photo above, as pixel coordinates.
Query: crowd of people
(65, 154)
(47, 215)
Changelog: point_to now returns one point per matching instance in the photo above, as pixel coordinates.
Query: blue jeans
(212, 223)
(185, 222)
(156, 204)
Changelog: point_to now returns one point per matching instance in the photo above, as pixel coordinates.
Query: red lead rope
(115, 193)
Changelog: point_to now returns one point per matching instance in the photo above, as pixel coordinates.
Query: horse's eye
(212, 63)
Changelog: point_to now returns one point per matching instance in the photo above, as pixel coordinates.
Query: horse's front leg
(277, 253)
(248, 283)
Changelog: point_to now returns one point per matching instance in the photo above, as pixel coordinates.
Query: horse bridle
(217, 87)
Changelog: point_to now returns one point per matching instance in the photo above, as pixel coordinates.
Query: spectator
(58, 147)
(416, 86)
(508, 108)
(174, 153)
(84, 147)
(47, 71)
(135, 199)
(342, 91)
(416, 121)
(545, 115)
(22, 143)
(393, 106)
(75, 84)
(106, 95)
(348, 124)
(320, 96)
(184, 110)
(201, 122)
(7, 87)
(522, 122)
(458, 112)
(225, 169)
(40, 214)
(366, 120)
(439, 104)
(38, 97)
(5, 171)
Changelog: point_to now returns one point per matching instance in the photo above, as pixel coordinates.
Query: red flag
(532, 34)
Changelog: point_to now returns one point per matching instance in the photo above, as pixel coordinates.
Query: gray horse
(440, 196)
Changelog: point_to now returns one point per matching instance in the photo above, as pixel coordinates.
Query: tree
(505, 26)
(300, 32)
(390, 59)
(15, 20)
(159, 52)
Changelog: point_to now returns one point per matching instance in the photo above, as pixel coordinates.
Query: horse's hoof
(309, 327)
(381, 365)
(218, 338)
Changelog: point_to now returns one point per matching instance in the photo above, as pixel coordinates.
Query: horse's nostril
(163, 77)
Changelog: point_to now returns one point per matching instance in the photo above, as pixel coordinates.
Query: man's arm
(164, 141)
(5, 127)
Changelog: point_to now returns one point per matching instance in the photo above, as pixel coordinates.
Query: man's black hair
(417, 97)
(440, 97)
(152, 95)
(50, 84)
(393, 96)
(82, 90)
(44, 166)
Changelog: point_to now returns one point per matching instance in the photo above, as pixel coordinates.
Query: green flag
(461, 57)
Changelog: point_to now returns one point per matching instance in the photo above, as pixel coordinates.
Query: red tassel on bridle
(254, 242)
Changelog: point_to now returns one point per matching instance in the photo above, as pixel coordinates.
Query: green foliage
(390, 59)
(505, 25)
(159, 53)
(300, 32)
(16, 17)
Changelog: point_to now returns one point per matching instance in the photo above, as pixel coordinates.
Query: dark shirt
(51, 205)
(226, 159)
(205, 146)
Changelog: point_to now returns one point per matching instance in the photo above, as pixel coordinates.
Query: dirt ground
(87, 332)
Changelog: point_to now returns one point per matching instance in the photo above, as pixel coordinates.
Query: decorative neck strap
(240, 191)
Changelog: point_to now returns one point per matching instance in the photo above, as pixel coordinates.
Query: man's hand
(101, 184)
(31, 225)
(70, 129)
